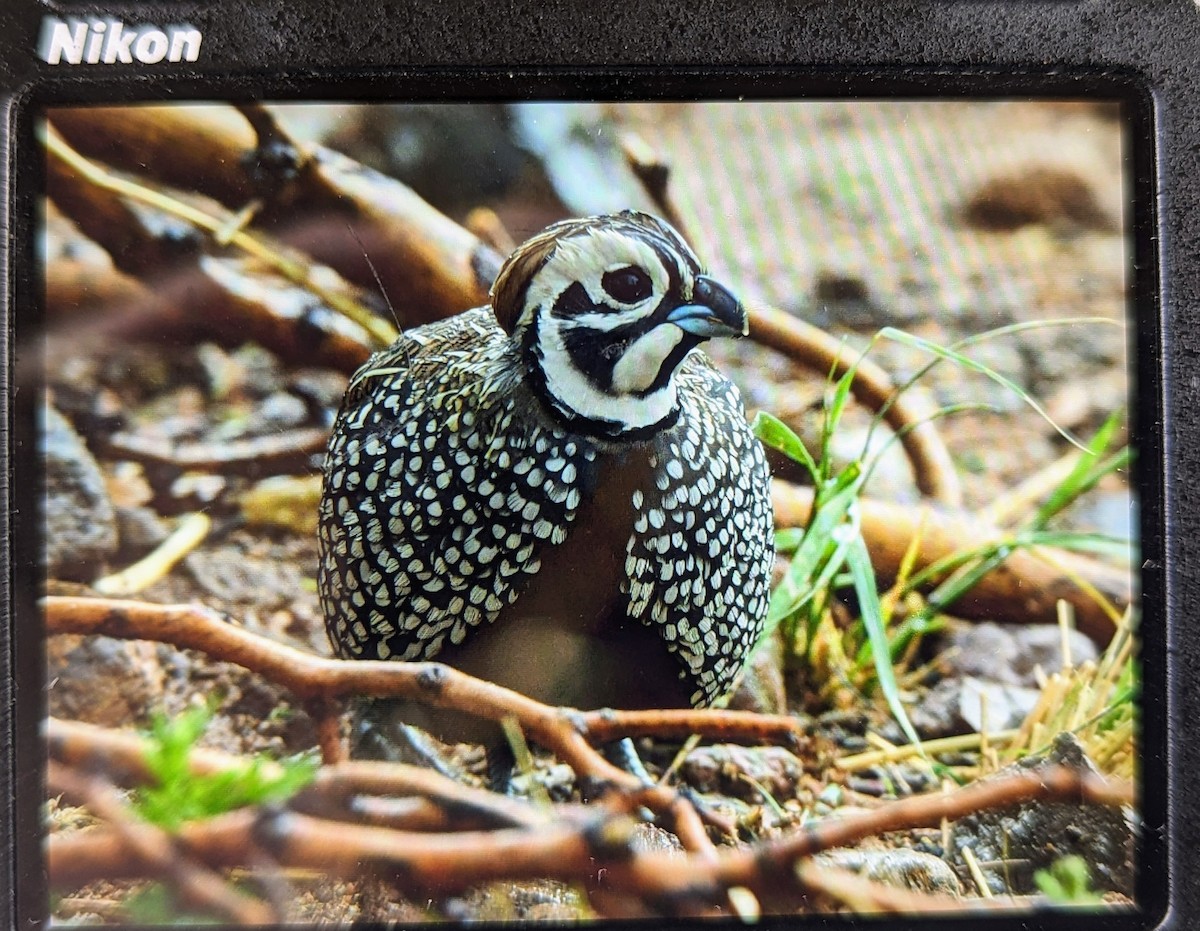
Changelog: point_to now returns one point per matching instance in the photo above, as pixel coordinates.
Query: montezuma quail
(557, 492)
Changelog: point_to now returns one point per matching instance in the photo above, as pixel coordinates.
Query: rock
(140, 530)
(938, 713)
(985, 651)
(650, 838)
(99, 680)
(743, 772)
(1040, 645)
(280, 411)
(519, 901)
(1048, 195)
(1012, 844)
(900, 867)
(997, 664)
(1010, 654)
(990, 706)
(81, 527)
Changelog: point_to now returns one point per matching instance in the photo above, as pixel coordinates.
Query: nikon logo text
(110, 41)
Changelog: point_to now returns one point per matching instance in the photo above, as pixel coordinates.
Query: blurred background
(943, 218)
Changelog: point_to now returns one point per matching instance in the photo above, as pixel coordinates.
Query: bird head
(603, 310)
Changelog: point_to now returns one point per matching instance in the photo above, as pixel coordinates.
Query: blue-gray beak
(714, 311)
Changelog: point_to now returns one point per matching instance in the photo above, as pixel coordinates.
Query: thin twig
(599, 851)
(156, 849)
(296, 272)
(269, 454)
(155, 565)
(310, 677)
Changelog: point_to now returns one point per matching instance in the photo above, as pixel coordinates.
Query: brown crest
(512, 282)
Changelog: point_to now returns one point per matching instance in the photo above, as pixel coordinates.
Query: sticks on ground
(156, 851)
(327, 205)
(483, 837)
(565, 731)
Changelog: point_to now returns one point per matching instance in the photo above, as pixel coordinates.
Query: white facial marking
(584, 259)
(641, 362)
(566, 384)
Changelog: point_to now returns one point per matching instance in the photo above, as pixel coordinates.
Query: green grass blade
(952, 354)
(775, 433)
(814, 564)
(858, 561)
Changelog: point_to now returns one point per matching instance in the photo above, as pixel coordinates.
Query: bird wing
(698, 563)
(440, 493)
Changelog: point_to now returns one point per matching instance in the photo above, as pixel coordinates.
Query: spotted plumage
(557, 492)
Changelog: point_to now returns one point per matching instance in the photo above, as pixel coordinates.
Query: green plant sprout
(1068, 882)
(179, 795)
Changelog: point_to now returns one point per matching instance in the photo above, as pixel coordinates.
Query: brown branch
(329, 206)
(598, 850)
(127, 238)
(309, 676)
(157, 850)
(1024, 589)
(227, 300)
(748, 727)
(190, 148)
(312, 677)
(121, 756)
(756, 866)
(136, 249)
(74, 285)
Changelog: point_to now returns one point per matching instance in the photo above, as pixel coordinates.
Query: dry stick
(487, 225)
(226, 299)
(153, 846)
(670, 883)
(435, 268)
(448, 804)
(298, 272)
(1024, 589)
(77, 284)
(188, 535)
(190, 148)
(429, 265)
(270, 454)
(310, 677)
(820, 352)
(136, 247)
(426, 863)
(122, 754)
(1060, 783)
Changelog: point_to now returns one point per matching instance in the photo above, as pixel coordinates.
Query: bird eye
(628, 285)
